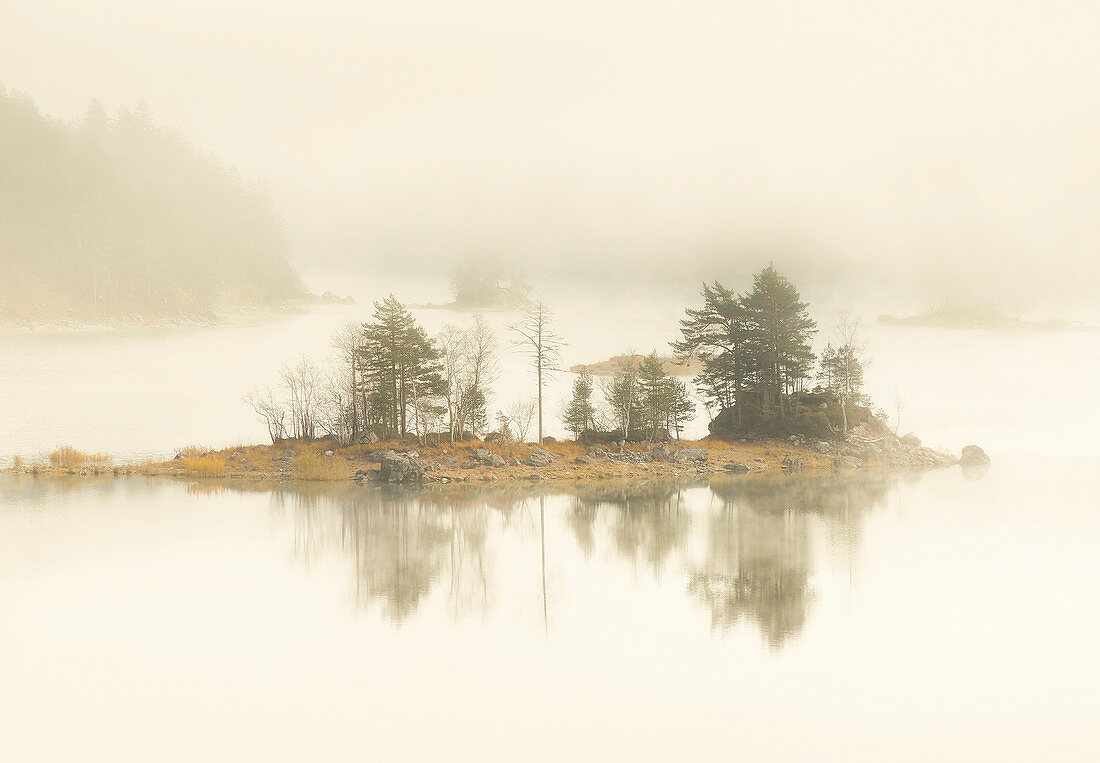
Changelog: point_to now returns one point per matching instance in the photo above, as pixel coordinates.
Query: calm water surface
(940, 617)
(910, 618)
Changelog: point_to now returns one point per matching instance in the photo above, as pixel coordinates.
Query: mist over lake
(587, 381)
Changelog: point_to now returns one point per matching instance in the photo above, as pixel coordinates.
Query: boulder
(582, 460)
(400, 470)
(548, 439)
(911, 440)
(661, 453)
(539, 458)
(482, 454)
(823, 447)
(377, 455)
(737, 467)
(972, 455)
(693, 455)
(496, 461)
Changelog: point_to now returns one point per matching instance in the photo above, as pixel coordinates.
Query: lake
(909, 617)
(870, 618)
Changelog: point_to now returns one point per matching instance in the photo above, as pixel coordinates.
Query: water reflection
(743, 550)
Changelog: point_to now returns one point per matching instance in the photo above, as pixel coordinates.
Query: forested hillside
(117, 217)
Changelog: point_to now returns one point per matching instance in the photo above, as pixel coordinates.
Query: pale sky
(920, 136)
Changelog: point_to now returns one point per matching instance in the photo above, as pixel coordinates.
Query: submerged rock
(972, 455)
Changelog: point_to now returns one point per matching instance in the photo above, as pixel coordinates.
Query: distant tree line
(113, 215)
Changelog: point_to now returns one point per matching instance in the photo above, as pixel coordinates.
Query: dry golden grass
(193, 451)
(17, 463)
(317, 466)
(68, 457)
(205, 466)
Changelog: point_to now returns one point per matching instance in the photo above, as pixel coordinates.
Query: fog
(926, 149)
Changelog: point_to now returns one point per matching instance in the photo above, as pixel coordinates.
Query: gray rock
(482, 454)
(581, 460)
(694, 455)
(377, 455)
(399, 470)
(496, 461)
(823, 447)
(972, 455)
(539, 458)
(662, 453)
(328, 453)
(911, 440)
(737, 468)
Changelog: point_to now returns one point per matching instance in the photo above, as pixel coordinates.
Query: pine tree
(718, 334)
(401, 366)
(579, 415)
(779, 331)
(653, 394)
(680, 408)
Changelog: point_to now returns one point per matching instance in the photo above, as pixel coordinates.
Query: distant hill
(117, 217)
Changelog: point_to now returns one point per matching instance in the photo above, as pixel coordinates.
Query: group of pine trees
(642, 401)
(392, 379)
(115, 216)
(758, 363)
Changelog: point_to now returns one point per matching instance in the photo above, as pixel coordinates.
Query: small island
(978, 315)
(401, 407)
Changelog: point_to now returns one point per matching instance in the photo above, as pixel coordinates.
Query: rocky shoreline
(408, 463)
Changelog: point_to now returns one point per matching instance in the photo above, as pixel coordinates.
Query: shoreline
(507, 464)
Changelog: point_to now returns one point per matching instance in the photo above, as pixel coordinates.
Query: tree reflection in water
(742, 548)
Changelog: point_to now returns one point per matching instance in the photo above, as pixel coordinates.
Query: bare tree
(469, 368)
(303, 382)
(520, 414)
(263, 402)
(535, 338)
(344, 387)
(842, 365)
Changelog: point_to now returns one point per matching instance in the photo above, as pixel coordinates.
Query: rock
(399, 470)
(737, 467)
(471, 464)
(328, 453)
(496, 461)
(911, 440)
(482, 454)
(377, 455)
(539, 458)
(365, 475)
(972, 455)
(597, 452)
(823, 447)
(548, 439)
(581, 460)
(662, 453)
(513, 461)
(697, 455)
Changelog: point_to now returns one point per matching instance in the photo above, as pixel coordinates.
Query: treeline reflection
(743, 550)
